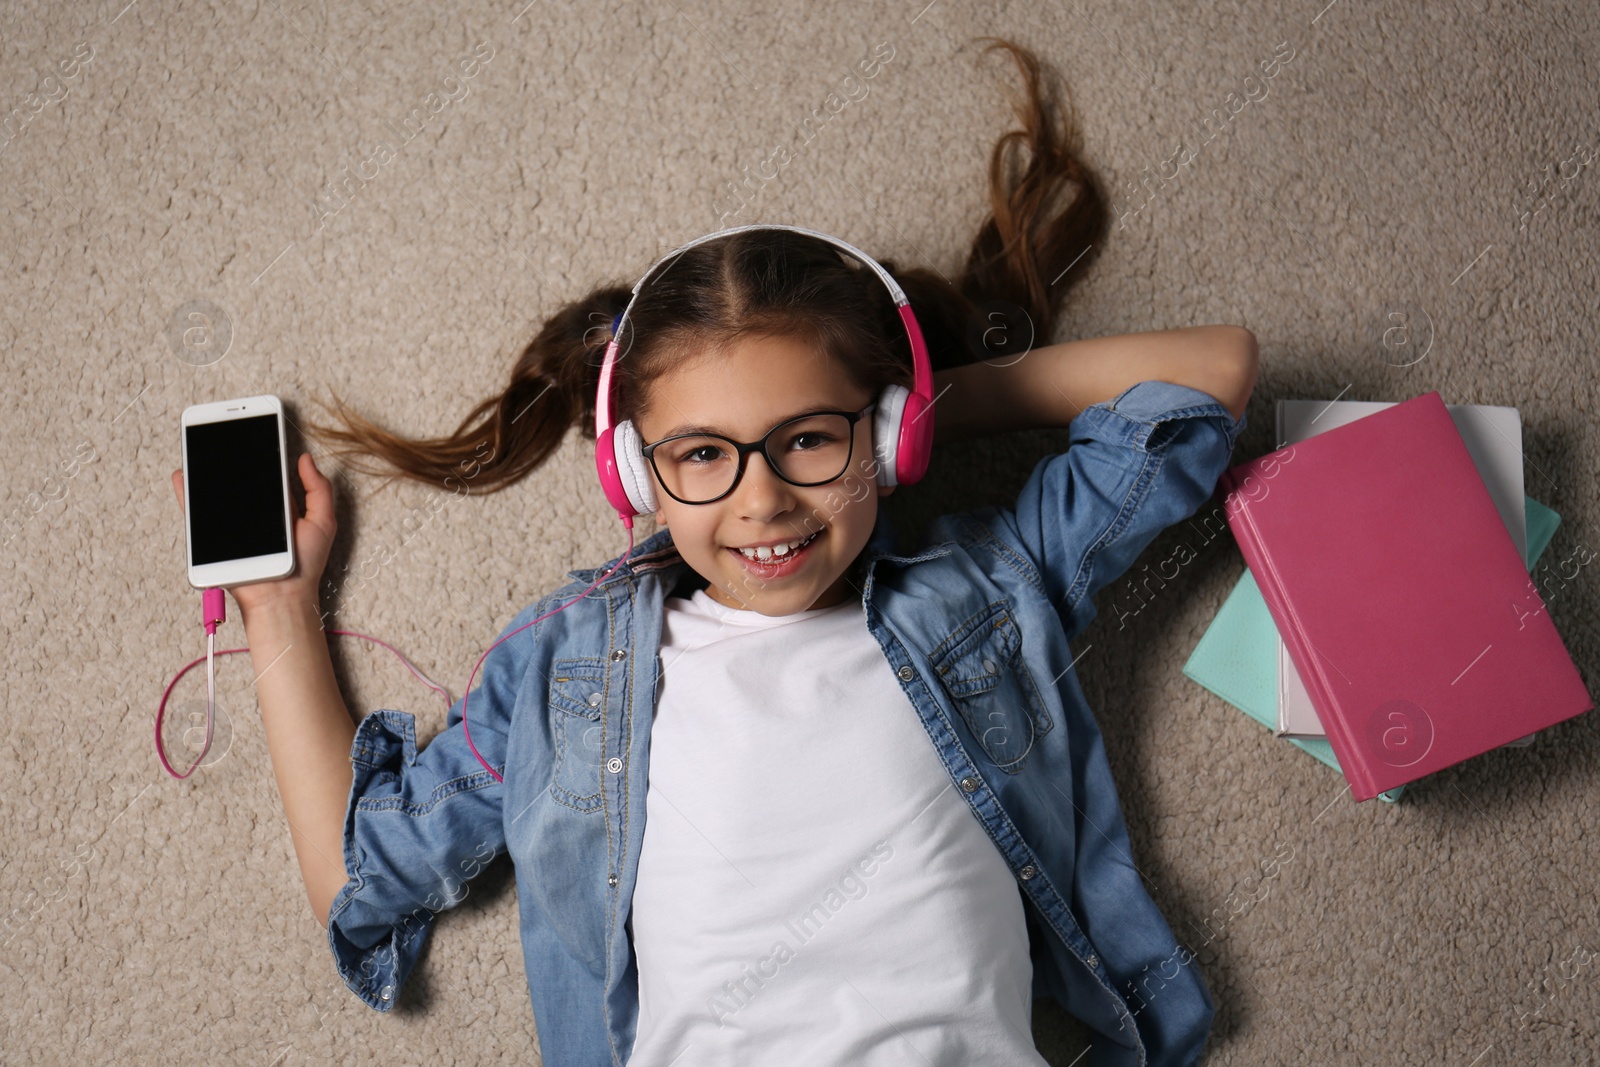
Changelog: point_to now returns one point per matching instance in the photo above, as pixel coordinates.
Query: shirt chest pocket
(980, 665)
(577, 698)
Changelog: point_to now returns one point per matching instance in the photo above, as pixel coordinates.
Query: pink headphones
(902, 423)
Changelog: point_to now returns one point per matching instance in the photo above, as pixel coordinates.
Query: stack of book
(1387, 623)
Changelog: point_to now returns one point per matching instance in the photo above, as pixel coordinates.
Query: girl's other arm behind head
(1049, 386)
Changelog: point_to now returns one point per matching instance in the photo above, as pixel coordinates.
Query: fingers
(319, 493)
(177, 486)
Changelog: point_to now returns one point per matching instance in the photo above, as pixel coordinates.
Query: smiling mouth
(777, 554)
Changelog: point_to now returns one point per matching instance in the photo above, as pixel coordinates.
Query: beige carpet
(1429, 161)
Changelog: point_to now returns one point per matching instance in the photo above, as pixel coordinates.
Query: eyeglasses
(700, 468)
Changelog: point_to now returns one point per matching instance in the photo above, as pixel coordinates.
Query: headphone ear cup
(886, 431)
(633, 469)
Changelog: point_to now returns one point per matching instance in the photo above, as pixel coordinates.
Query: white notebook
(1493, 436)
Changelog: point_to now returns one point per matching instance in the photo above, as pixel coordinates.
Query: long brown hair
(1020, 265)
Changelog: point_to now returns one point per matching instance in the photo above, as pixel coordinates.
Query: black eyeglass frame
(745, 448)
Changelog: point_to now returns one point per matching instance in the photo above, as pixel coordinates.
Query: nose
(760, 493)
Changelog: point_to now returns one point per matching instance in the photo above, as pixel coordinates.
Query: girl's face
(742, 393)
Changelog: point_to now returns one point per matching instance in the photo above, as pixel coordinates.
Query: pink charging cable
(213, 610)
(213, 606)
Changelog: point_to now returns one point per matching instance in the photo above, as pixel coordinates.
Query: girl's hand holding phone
(313, 538)
(308, 726)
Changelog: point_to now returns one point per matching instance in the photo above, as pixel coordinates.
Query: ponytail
(1023, 260)
(509, 435)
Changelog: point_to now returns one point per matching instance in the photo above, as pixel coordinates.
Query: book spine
(1352, 760)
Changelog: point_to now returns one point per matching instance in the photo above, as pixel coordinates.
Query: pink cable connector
(213, 612)
(214, 607)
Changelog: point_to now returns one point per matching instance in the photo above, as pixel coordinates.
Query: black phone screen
(235, 492)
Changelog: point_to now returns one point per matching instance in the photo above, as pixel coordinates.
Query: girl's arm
(309, 733)
(308, 727)
(1049, 386)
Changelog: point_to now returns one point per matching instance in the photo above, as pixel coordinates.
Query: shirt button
(989, 666)
(386, 993)
(594, 700)
(968, 784)
(906, 674)
(618, 655)
(1027, 872)
(611, 879)
(1092, 961)
(613, 765)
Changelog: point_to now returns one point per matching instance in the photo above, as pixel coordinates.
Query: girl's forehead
(744, 422)
(755, 359)
(748, 390)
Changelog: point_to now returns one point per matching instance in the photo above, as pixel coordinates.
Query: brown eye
(703, 454)
(697, 451)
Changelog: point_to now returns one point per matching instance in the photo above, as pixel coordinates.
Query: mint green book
(1237, 657)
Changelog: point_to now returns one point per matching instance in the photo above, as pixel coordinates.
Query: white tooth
(766, 553)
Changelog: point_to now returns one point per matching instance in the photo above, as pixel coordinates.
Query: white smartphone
(237, 517)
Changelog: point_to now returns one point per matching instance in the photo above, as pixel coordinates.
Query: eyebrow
(817, 410)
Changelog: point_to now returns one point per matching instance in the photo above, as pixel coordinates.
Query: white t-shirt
(812, 888)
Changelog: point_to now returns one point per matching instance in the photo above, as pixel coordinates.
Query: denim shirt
(975, 625)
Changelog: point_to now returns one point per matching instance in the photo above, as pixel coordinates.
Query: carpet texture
(197, 208)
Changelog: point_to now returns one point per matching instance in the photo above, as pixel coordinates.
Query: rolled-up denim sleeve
(1134, 465)
(420, 825)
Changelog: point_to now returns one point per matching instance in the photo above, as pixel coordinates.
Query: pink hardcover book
(1406, 607)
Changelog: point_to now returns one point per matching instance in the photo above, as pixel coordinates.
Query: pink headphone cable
(214, 611)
